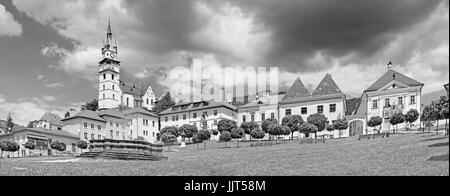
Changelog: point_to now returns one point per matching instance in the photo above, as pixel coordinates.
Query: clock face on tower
(109, 54)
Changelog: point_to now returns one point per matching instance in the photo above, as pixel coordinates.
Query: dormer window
(393, 85)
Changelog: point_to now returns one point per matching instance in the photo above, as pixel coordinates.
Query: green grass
(400, 154)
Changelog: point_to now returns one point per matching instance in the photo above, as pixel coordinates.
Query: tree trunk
(292, 135)
(225, 144)
(204, 145)
(437, 127)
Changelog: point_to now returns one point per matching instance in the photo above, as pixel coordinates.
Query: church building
(114, 92)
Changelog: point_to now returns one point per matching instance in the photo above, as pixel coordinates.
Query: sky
(50, 49)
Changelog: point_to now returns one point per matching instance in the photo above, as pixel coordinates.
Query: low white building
(113, 124)
(202, 114)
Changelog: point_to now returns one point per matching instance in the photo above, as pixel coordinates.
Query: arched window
(104, 87)
(104, 76)
(112, 76)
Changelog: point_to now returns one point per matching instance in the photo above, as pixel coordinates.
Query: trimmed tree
(318, 120)
(82, 145)
(59, 146)
(375, 121)
(426, 117)
(237, 134)
(293, 122)
(172, 130)
(188, 130)
(396, 119)
(257, 133)
(340, 124)
(248, 127)
(226, 125)
(29, 145)
(276, 130)
(225, 136)
(196, 140)
(266, 123)
(330, 128)
(411, 116)
(307, 128)
(168, 139)
(286, 131)
(204, 135)
(12, 146)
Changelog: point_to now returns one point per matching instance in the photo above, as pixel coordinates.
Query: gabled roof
(194, 106)
(296, 91)
(140, 111)
(48, 132)
(133, 88)
(53, 119)
(86, 114)
(327, 86)
(388, 77)
(111, 112)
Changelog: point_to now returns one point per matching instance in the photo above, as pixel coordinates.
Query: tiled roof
(326, 86)
(86, 114)
(133, 88)
(111, 112)
(266, 100)
(139, 110)
(200, 105)
(315, 98)
(352, 105)
(390, 76)
(48, 132)
(297, 90)
(53, 119)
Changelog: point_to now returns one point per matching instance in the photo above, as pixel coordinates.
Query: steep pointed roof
(297, 90)
(392, 75)
(327, 86)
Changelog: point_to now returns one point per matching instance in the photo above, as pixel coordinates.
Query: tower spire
(109, 33)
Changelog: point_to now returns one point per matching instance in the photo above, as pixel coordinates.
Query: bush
(318, 120)
(266, 123)
(257, 134)
(59, 146)
(188, 130)
(225, 137)
(307, 128)
(226, 125)
(172, 130)
(293, 122)
(196, 139)
(29, 145)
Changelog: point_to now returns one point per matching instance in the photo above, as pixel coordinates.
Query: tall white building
(113, 91)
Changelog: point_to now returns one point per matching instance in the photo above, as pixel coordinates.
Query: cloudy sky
(49, 49)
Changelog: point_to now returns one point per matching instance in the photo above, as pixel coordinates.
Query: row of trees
(229, 130)
(437, 110)
(397, 118)
(12, 146)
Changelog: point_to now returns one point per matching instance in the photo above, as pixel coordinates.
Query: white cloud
(54, 85)
(8, 26)
(49, 98)
(27, 109)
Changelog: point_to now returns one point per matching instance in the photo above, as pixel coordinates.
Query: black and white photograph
(233, 88)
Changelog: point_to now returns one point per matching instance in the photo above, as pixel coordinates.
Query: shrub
(225, 137)
(266, 123)
(237, 134)
(375, 121)
(276, 130)
(340, 124)
(318, 120)
(188, 130)
(226, 125)
(82, 145)
(172, 130)
(293, 122)
(307, 128)
(204, 135)
(257, 133)
(29, 145)
(168, 138)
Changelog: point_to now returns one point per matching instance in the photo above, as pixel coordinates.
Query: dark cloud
(301, 28)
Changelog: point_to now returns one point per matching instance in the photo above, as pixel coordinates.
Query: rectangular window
(85, 135)
(288, 112)
(99, 137)
(413, 99)
(99, 127)
(85, 125)
(166, 119)
(400, 100)
(184, 116)
(92, 136)
(272, 115)
(263, 117)
(320, 109)
(386, 102)
(111, 133)
(194, 115)
(143, 121)
(374, 104)
(117, 134)
(117, 125)
(153, 123)
(205, 114)
(111, 123)
(244, 118)
(215, 112)
(147, 101)
(253, 117)
(332, 108)
(215, 123)
(304, 110)
(173, 118)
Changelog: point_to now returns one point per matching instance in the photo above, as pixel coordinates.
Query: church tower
(109, 93)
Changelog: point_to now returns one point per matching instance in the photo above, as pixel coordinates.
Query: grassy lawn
(400, 154)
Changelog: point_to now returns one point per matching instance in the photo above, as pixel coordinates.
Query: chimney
(389, 65)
